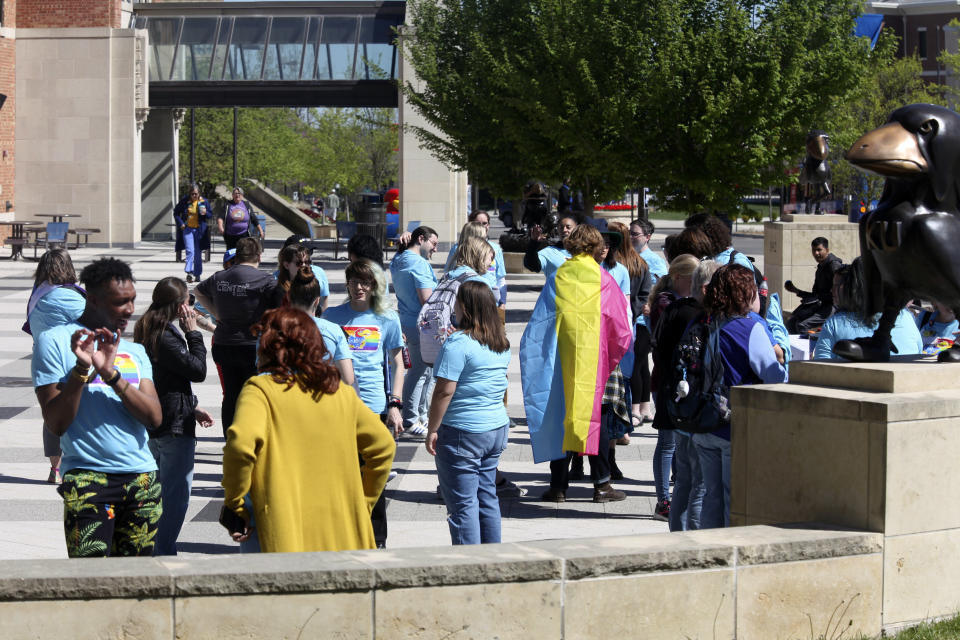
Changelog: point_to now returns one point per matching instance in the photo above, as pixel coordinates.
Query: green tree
(702, 100)
(890, 84)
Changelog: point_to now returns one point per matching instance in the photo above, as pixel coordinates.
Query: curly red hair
(292, 351)
(731, 291)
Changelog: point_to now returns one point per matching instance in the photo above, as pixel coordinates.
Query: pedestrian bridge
(270, 54)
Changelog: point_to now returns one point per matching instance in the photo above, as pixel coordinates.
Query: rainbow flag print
(363, 338)
(127, 366)
(578, 332)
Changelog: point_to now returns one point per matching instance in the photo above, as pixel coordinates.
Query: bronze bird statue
(910, 243)
(815, 172)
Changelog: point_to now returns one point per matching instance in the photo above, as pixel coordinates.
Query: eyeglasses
(360, 284)
(638, 234)
(301, 263)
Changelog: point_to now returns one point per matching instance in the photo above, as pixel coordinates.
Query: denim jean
(467, 470)
(663, 463)
(418, 382)
(714, 455)
(174, 456)
(687, 485)
(191, 244)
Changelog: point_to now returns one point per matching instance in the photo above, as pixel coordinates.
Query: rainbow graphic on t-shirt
(363, 338)
(127, 366)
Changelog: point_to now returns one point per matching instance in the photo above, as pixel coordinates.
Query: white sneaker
(391, 476)
(417, 430)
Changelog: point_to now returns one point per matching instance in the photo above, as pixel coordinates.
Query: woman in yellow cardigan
(294, 445)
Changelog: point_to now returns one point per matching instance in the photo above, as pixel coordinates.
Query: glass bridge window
(245, 55)
(312, 49)
(164, 34)
(195, 53)
(338, 42)
(285, 49)
(376, 59)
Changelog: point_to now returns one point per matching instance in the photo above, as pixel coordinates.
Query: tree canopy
(701, 100)
(316, 148)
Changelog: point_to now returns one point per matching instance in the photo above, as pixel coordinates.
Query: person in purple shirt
(748, 358)
(238, 221)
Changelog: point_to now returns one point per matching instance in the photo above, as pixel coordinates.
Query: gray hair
(701, 277)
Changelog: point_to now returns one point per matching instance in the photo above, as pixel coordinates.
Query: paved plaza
(31, 510)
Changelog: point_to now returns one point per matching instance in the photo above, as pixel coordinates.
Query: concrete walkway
(31, 509)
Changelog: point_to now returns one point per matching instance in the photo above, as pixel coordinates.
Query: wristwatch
(393, 402)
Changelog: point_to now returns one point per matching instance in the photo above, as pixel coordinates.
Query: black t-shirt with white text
(240, 295)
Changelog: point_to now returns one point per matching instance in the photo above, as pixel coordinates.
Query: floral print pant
(110, 514)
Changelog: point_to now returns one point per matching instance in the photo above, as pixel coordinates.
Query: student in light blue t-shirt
(96, 392)
(413, 282)
(291, 258)
(478, 225)
(938, 323)
(56, 300)
(468, 425)
(304, 294)
(848, 322)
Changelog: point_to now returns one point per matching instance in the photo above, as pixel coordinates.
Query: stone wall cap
(847, 404)
(624, 555)
(474, 564)
(901, 375)
(268, 573)
(766, 544)
(83, 579)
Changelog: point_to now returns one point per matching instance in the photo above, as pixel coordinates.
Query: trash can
(371, 216)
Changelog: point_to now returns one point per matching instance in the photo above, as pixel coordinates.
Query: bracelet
(395, 404)
(122, 391)
(114, 379)
(84, 377)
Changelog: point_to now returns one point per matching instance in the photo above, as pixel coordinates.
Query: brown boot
(554, 495)
(606, 493)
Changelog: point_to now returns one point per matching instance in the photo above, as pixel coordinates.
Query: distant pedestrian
(192, 215)
(238, 221)
(468, 422)
(333, 204)
(96, 393)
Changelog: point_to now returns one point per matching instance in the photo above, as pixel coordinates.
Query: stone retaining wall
(748, 582)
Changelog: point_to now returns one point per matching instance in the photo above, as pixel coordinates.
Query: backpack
(435, 319)
(697, 399)
(761, 281)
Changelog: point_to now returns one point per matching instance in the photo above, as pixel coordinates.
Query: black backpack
(697, 399)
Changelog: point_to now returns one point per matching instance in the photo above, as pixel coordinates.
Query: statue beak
(889, 151)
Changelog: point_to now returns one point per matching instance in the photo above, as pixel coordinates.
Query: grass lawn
(945, 630)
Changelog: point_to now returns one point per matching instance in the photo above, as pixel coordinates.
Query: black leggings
(640, 380)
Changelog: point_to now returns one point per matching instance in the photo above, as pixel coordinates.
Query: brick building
(8, 102)
(922, 28)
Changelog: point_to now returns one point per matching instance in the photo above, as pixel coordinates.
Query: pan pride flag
(578, 332)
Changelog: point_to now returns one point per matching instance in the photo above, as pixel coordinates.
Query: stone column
(786, 250)
(863, 446)
(429, 191)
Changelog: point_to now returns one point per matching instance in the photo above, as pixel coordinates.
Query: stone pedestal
(786, 250)
(865, 446)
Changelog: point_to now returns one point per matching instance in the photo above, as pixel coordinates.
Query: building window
(922, 43)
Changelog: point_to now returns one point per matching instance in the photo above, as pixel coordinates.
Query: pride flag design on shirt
(127, 366)
(366, 338)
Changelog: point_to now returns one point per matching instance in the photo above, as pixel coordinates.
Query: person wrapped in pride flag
(577, 334)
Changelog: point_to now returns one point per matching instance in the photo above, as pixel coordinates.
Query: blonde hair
(473, 252)
(683, 265)
(368, 271)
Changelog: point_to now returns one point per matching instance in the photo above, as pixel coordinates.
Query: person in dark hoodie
(817, 305)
